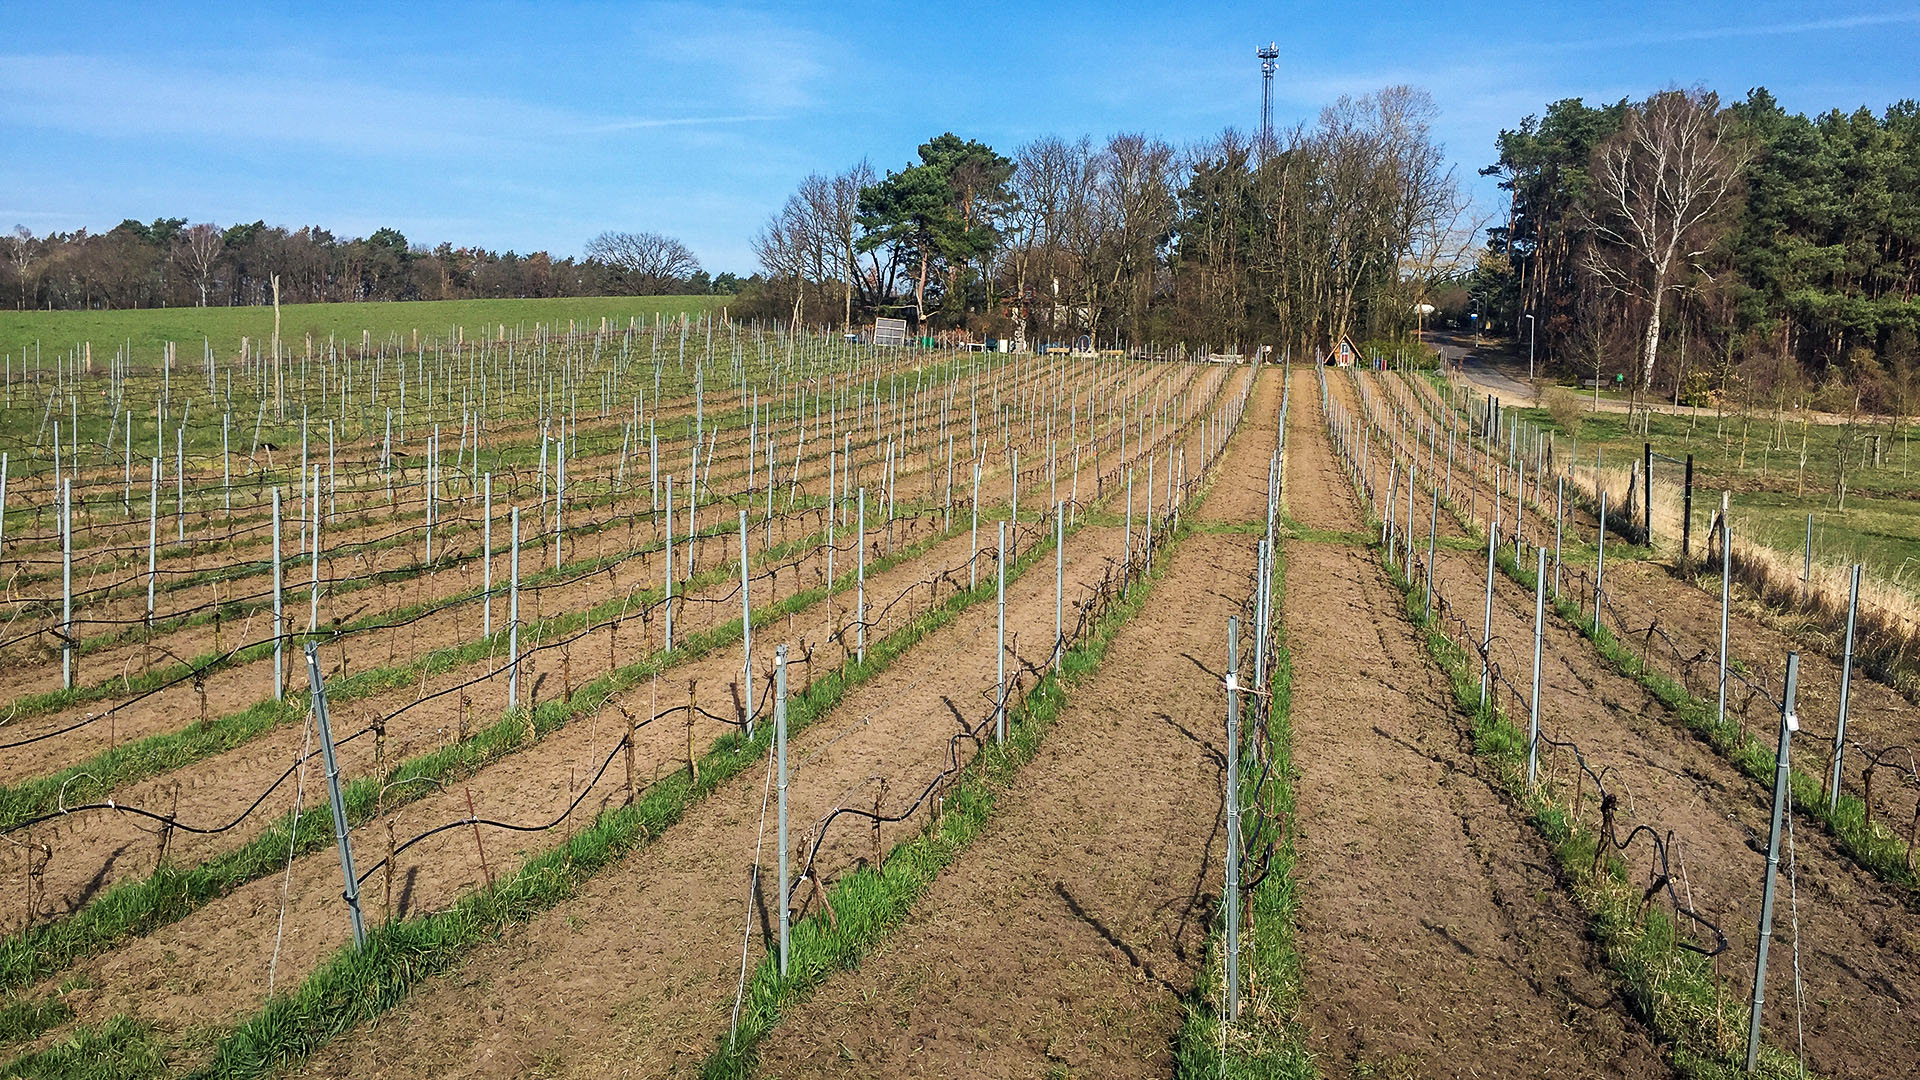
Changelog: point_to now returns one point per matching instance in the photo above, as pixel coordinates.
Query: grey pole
(1128, 550)
(1727, 577)
(1806, 572)
(669, 551)
(1789, 723)
(1232, 890)
(352, 893)
(1263, 553)
(973, 564)
(513, 611)
(860, 586)
(486, 558)
(279, 614)
(559, 491)
(1846, 687)
(746, 636)
(313, 559)
(1600, 555)
(153, 537)
(1433, 529)
(1000, 648)
(1486, 631)
(831, 456)
(1559, 504)
(1539, 626)
(780, 741)
(66, 582)
(1060, 577)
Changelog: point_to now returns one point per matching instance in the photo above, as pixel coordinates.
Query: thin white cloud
(1742, 30)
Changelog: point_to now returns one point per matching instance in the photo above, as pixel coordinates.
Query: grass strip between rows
(172, 892)
(358, 984)
(1268, 1041)
(1671, 989)
(869, 902)
(355, 985)
(1875, 848)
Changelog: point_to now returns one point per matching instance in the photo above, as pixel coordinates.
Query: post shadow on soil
(1080, 912)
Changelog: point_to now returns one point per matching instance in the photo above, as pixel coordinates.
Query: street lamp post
(1530, 347)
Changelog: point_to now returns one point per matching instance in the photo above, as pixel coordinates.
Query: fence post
(559, 491)
(973, 564)
(1559, 517)
(1646, 489)
(1846, 687)
(1686, 516)
(313, 558)
(1806, 572)
(1600, 551)
(1232, 890)
(1059, 581)
(1433, 529)
(486, 557)
(780, 741)
(513, 611)
(279, 615)
(669, 552)
(1789, 723)
(1539, 626)
(153, 538)
(1727, 577)
(1486, 632)
(860, 585)
(1127, 551)
(1000, 649)
(352, 893)
(66, 582)
(746, 630)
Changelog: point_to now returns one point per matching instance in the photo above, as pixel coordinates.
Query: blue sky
(534, 126)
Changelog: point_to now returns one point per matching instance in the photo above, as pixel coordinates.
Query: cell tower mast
(1267, 56)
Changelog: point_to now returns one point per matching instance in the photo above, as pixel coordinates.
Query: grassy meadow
(149, 329)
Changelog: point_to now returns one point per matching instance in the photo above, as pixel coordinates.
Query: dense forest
(1703, 247)
(169, 263)
(1335, 229)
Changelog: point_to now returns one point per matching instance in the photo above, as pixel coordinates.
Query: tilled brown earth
(1686, 645)
(1858, 945)
(636, 973)
(99, 849)
(1435, 937)
(1065, 937)
(215, 962)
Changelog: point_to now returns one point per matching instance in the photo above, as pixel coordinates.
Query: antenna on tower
(1267, 56)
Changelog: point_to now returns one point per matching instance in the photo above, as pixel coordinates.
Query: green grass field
(1759, 461)
(150, 328)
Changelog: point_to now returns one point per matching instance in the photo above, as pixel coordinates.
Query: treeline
(169, 263)
(1704, 249)
(1341, 228)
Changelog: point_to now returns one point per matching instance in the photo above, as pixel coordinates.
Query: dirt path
(1066, 936)
(1436, 939)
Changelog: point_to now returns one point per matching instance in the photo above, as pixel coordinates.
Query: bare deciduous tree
(651, 262)
(198, 251)
(1660, 187)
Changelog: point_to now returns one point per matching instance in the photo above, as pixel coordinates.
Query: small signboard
(889, 331)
